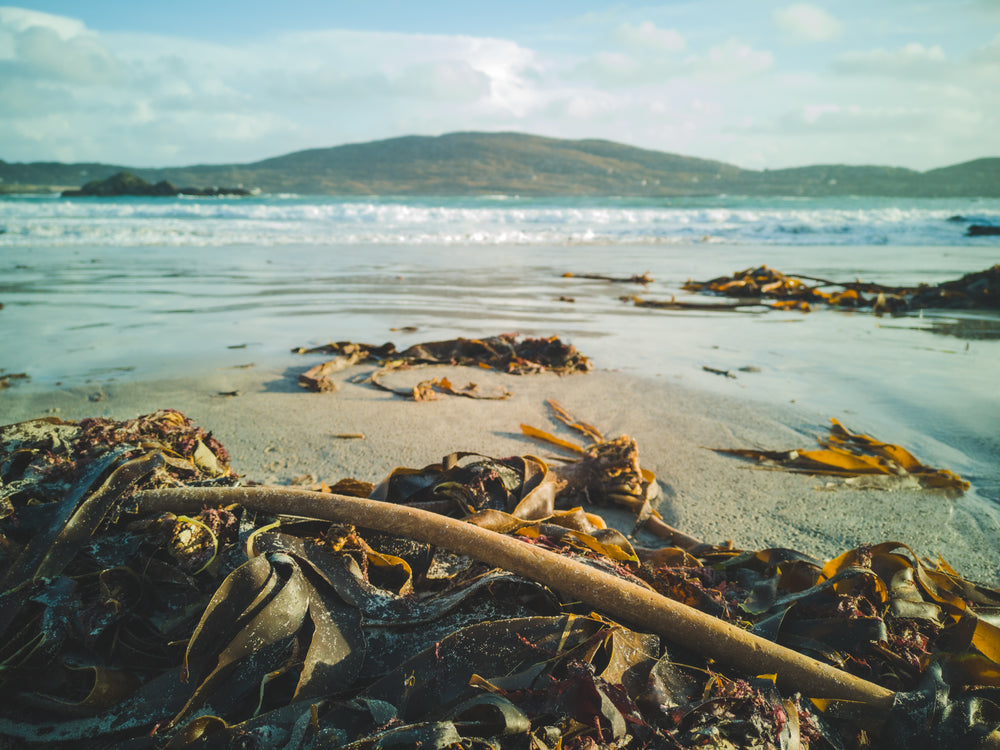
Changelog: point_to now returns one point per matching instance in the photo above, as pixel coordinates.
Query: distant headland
(515, 164)
(126, 183)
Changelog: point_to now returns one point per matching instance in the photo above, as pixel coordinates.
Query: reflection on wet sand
(985, 327)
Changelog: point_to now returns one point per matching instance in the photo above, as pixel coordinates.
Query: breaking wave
(495, 220)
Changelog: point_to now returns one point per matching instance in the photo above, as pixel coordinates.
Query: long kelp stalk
(677, 622)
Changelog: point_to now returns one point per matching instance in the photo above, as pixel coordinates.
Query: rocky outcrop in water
(126, 183)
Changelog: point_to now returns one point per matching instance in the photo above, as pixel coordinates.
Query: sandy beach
(318, 322)
(277, 433)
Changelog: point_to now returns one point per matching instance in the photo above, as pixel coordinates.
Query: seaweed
(151, 600)
(503, 353)
(643, 278)
(860, 459)
(979, 290)
(7, 379)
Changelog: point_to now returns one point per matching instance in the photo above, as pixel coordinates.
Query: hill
(515, 163)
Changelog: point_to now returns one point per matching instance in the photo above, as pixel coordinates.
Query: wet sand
(277, 432)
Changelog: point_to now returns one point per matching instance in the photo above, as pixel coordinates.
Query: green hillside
(519, 164)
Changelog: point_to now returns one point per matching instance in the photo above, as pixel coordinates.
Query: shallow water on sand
(77, 315)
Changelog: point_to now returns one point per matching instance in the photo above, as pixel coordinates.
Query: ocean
(274, 220)
(111, 289)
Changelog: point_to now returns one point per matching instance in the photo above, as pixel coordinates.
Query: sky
(755, 83)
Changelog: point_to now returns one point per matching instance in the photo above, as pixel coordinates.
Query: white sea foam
(286, 220)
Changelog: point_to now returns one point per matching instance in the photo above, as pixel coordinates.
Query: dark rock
(982, 230)
(126, 183)
(957, 217)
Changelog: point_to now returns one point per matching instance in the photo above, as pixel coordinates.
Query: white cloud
(513, 72)
(728, 61)
(646, 36)
(262, 97)
(814, 113)
(435, 69)
(666, 77)
(647, 56)
(913, 60)
(79, 59)
(611, 69)
(585, 107)
(854, 118)
(16, 20)
(40, 46)
(806, 22)
(735, 59)
(443, 81)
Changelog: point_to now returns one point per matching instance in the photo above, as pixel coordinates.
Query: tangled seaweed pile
(504, 353)
(150, 602)
(973, 291)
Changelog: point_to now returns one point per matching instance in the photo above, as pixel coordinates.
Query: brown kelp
(977, 290)
(504, 353)
(152, 601)
(859, 459)
(7, 379)
(638, 278)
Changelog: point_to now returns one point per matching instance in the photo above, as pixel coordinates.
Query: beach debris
(560, 413)
(318, 378)
(674, 304)
(430, 389)
(503, 353)
(10, 378)
(639, 278)
(717, 371)
(862, 461)
(976, 290)
(149, 601)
